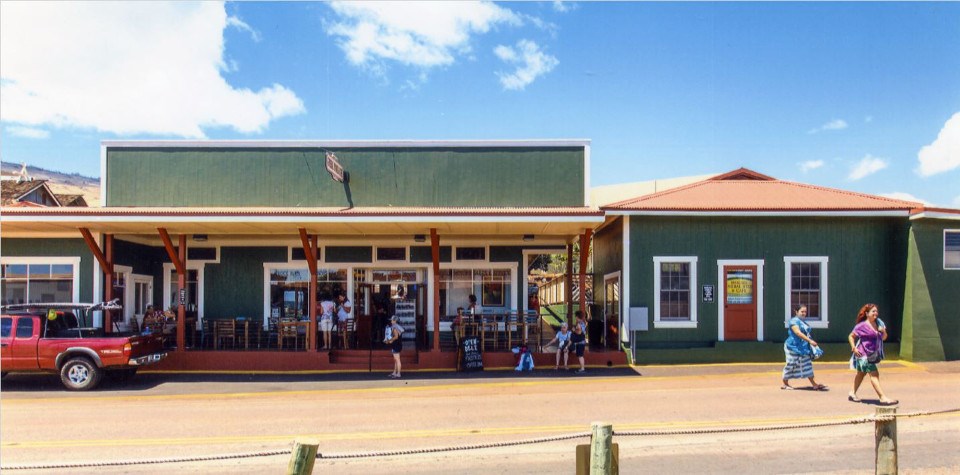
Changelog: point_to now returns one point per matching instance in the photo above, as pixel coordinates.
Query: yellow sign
(740, 287)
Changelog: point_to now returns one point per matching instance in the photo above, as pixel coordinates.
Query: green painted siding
(867, 264)
(931, 315)
(529, 176)
(56, 247)
(607, 256)
(145, 260)
(234, 287)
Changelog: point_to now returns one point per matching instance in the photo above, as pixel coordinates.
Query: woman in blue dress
(799, 349)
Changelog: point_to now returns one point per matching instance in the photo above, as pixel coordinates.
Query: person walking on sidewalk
(866, 343)
(799, 349)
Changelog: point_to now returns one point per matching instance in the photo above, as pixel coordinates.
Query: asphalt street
(203, 415)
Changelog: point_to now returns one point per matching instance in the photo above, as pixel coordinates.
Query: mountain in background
(62, 183)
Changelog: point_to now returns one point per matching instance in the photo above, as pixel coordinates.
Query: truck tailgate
(142, 345)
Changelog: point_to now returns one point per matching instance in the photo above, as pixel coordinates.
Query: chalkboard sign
(470, 357)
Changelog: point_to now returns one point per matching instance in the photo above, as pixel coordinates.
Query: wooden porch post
(568, 283)
(310, 253)
(108, 285)
(435, 252)
(584, 255)
(179, 260)
(106, 264)
(181, 286)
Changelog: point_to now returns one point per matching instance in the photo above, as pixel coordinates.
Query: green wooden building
(711, 271)
(259, 232)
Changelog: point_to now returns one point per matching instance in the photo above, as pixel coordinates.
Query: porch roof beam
(105, 264)
(171, 252)
(308, 251)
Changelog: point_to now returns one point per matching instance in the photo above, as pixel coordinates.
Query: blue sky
(858, 96)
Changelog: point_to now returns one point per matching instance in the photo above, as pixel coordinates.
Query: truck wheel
(79, 374)
(122, 375)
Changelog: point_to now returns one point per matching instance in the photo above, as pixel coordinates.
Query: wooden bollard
(302, 457)
(601, 456)
(886, 439)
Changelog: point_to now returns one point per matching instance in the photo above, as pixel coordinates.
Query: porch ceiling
(559, 222)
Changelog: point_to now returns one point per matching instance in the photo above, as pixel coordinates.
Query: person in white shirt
(327, 308)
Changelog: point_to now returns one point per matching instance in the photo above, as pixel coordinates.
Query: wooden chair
(532, 331)
(488, 332)
(514, 329)
(288, 329)
(225, 329)
(347, 331)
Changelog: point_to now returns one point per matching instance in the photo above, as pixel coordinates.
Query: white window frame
(657, 261)
(52, 260)
(945, 231)
(168, 268)
(824, 261)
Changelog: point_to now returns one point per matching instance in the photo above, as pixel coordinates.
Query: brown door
(740, 303)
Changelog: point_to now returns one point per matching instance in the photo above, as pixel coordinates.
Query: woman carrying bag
(800, 350)
(866, 343)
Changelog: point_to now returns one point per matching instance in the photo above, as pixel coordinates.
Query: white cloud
(899, 195)
(127, 68)
(810, 165)
(421, 34)
(563, 6)
(835, 124)
(943, 154)
(28, 132)
(243, 26)
(531, 63)
(867, 165)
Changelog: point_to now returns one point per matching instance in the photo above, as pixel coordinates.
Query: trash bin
(595, 333)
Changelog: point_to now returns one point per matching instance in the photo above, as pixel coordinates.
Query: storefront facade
(255, 232)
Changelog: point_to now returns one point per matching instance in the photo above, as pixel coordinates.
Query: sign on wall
(708, 293)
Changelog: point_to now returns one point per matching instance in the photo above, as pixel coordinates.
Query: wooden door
(740, 303)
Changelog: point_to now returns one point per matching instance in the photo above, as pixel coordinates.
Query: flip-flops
(820, 387)
(892, 402)
(787, 388)
(852, 398)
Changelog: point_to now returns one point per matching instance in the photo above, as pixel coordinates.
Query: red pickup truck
(60, 338)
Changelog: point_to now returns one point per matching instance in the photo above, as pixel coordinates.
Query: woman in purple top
(867, 339)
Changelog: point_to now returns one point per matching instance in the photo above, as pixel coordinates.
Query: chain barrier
(539, 440)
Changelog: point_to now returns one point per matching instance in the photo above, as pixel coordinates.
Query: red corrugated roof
(749, 191)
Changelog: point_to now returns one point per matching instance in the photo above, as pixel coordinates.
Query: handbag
(817, 352)
(874, 357)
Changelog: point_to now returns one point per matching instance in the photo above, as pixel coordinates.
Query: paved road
(168, 415)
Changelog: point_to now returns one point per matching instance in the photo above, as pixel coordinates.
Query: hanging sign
(334, 168)
(183, 296)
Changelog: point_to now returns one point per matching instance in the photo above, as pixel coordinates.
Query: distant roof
(12, 191)
(745, 190)
(71, 200)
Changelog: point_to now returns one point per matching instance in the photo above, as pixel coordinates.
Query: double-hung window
(674, 288)
(951, 249)
(806, 284)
